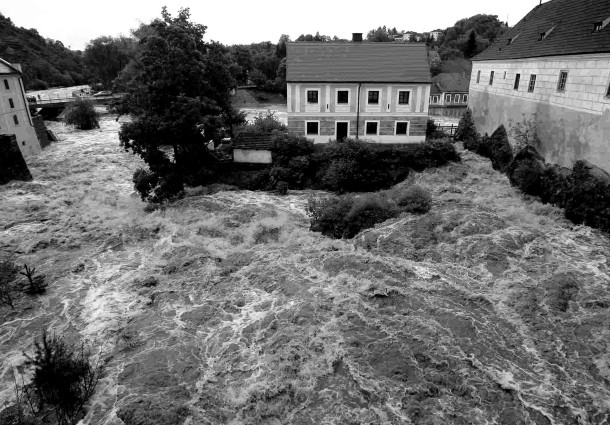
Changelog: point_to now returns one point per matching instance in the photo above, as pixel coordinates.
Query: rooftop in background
(558, 27)
(253, 140)
(357, 62)
(450, 83)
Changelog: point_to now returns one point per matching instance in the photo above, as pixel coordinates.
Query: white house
(15, 115)
(552, 67)
(375, 91)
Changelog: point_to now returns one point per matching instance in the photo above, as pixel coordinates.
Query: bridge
(51, 107)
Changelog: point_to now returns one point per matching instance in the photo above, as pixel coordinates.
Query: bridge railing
(50, 100)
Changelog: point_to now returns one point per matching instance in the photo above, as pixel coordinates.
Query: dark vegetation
(11, 286)
(583, 192)
(64, 379)
(82, 115)
(346, 215)
(45, 62)
(12, 164)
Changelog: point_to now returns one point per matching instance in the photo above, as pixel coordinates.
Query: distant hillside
(45, 62)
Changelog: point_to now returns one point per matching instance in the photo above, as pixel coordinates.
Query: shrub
(556, 183)
(433, 153)
(501, 151)
(466, 129)
(526, 171)
(344, 216)
(36, 284)
(415, 200)
(432, 130)
(525, 133)
(64, 378)
(282, 188)
(82, 115)
(157, 189)
(266, 123)
(589, 202)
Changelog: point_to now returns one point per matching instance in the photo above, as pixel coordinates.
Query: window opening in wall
(6, 86)
(402, 128)
(478, 76)
(403, 97)
(312, 128)
(532, 84)
(465, 98)
(512, 39)
(16, 120)
(433, 99)
(517, 78)
(491, 78)
(374, 97)
(11, 103)
(447, 98)
(312, 96)
(563, 78)
(597, 26)
(505, 75)
(372, 127)
(343, 96)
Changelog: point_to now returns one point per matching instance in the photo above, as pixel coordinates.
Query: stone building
(15, 115)
(376, 91)
(553, 68)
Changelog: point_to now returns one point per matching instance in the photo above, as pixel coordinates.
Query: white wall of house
(331, 108)
(15, 115)
(253, 156)
(574, 121)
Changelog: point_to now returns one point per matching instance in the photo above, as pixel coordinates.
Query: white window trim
(349, 96)
(348, 127)
(408, 128)
(307, 122)
(374, 105)
(365, 125)
(432, 99)
(306, 96)
(403, 105)
(447, 97)
(456, 98)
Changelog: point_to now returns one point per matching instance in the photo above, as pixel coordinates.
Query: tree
(82, 115)
(471, 46)
(176, 99)
(107, 56)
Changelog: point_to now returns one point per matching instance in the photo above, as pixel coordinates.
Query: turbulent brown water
(490, 309)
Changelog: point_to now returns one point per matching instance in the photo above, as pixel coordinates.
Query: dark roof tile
(572, 33)
(357, 62)
(253, 140)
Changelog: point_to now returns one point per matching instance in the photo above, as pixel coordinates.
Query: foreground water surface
(491, 309)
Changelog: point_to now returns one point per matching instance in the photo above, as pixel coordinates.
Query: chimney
(356, 37)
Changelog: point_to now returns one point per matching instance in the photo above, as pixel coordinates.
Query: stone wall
(573, 123)
(41, 131)
(12, 164)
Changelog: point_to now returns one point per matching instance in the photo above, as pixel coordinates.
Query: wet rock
(526, 171)
(590, 200)
(561, 288)
(150, 282)
(153, 411)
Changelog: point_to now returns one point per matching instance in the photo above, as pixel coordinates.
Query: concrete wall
(327, 111)
(12, 164)
(572, 124)
(23, 128)
(252, 156)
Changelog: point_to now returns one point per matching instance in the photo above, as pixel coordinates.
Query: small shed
(253, 148)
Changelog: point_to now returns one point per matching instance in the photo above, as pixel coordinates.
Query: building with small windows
(15, 115)
(449, 94)
(374, 91)
(552, 67)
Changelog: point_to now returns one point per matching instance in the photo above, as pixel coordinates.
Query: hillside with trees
(45, 62)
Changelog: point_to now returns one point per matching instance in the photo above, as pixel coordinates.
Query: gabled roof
(12, 69)
(253, 140)
(447, 82)
(357, 62)
(572, 24)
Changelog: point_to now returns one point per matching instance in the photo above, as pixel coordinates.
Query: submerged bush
(345, 216)
(589, 201)
(416, 200)
(157, 189)
(466, 130)
(8, 274)
(82, 115)
(433, 131)
(501, 151)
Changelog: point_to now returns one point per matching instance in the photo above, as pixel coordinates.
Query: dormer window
(545, 34)
(597, 26)
(542, 34)
(512, 39)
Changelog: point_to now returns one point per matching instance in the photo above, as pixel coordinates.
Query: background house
(253, 147)
(377, 91)
(449, 94)
(554, 67)
(435, 34)
(15, 115)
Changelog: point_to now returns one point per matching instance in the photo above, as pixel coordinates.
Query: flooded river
(225, 309)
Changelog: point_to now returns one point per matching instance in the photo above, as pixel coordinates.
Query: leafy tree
(82, 114)
(176, 99)
(107, 56)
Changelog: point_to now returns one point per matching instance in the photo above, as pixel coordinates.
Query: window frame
(517, 81)
(491, 78)
(562, 87)
(337, 97)
(368, 97)
(532, 83)
(396, 128)
(6, 85)
(478, 76)
(11, 103)
(432, 102)
(16, 120)
(456, 98)
(447, 98)
(317, 122)
(465, 98)
(366, 125)
(399, 92)
(317, 91)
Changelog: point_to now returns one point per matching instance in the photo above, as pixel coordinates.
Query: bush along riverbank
(583, 191)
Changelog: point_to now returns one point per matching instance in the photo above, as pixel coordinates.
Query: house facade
(373, 91)
(435, 34)
(552, 68)
(15, 115)
(449, 94)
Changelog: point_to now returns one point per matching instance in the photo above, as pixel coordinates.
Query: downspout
(358, 112)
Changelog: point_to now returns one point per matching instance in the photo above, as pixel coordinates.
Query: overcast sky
(75, 22)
